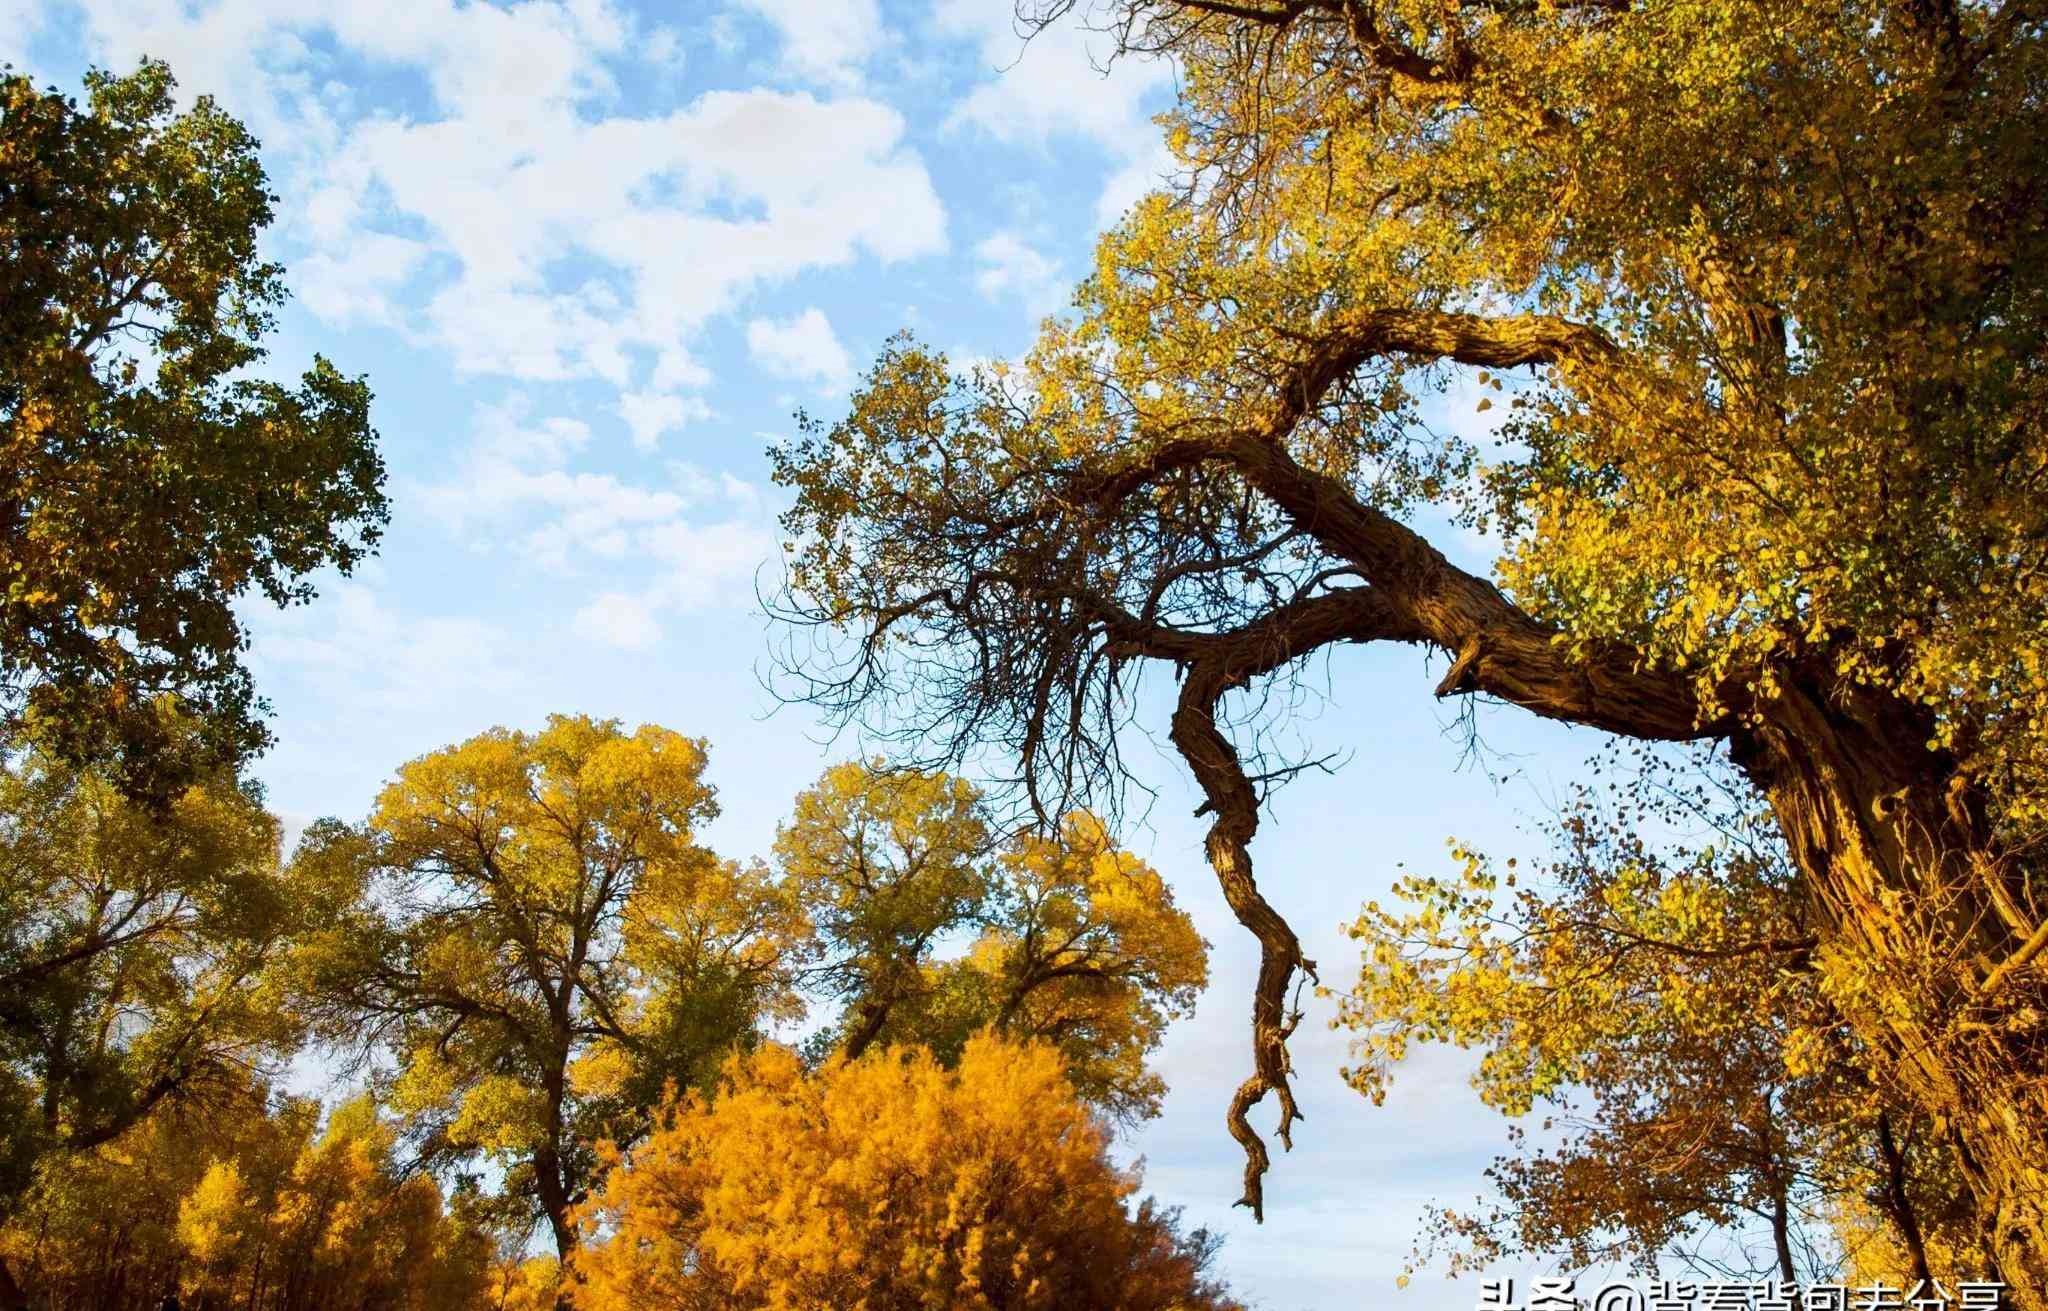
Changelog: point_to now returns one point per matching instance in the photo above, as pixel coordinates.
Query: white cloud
(20, 20)
(512, 486)
(1063, 81)
(1144, 173)
(802, 346)
(663, 49)
(696, 536)
(506, 435)
(705, 564)
(824, 41)
(1006, 266)
(695, 567)
(618, 619)
(358, 286)
(586, 237)
(651, 414)
(354, 643)
(564, 241)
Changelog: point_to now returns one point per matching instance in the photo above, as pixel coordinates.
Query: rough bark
(1914, 899)
(1911, 891)
(1216, 767)
(1214, 664)
(874, 1014)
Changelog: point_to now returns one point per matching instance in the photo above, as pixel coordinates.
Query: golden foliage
(1772, 479)
(890, 1181)
(545, 944)
(1652, 988)
(243, 1206)
(146, 955)
(1076, 941)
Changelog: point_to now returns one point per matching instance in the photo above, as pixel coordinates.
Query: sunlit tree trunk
(1922, 922)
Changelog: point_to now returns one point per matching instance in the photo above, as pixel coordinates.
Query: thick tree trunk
(874, 1014)
(554, 1198)
(1928, 939)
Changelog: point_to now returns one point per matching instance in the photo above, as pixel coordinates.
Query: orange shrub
(885, 1182)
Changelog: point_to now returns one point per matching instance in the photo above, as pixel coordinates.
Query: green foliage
(150, 481)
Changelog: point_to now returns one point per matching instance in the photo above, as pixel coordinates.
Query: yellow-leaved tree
(249, 1205)
(1771, 285)
(1068, 938)
(1647, 986)
(543, 944)
(889, 1181)
(148, 957)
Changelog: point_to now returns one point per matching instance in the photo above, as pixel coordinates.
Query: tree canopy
(150, 477)
(1066, 937)
(530, 953)
(887, 1181)
(252, 1203)
(146, 956)
(1723, 323)
(544, 944)
(1648, 985)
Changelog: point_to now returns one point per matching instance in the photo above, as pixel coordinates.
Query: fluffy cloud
(356, 644)
(621, 620)
(1063, 82)
(1066, 81)
(693, 566)
(826, 43)
(512, 487)
(802, 346)
(579, 241)
(557, 240)
(1006, 266)
(688, 540)
(690, 568)
(651, 414)
(1131, 181)
(359, 287)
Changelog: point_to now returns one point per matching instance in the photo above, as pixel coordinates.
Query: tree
(1769, 483)
(248, 1206)
(543, 944)
(884, 864)
(1082, 947)
(1076, 942)
(149, 481)
(146, 956)
(887, 1181)
(1657, 999)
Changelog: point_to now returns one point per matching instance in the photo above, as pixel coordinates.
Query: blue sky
(591, 257)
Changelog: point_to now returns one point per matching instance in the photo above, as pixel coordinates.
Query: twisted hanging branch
(1216, 767)
(1217, 664)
